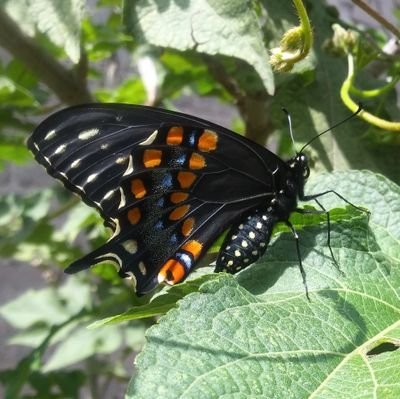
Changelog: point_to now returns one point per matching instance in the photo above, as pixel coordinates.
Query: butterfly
(168, 185)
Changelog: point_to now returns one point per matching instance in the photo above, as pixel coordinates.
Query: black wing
(166, 182)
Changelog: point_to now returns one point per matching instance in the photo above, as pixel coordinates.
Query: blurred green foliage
(59, 53)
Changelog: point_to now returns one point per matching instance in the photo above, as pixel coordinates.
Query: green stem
(348, 101)
(374, 92)
(295, 43)
(305, 24)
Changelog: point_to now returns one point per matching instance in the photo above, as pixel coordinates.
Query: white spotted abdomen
(246, 242)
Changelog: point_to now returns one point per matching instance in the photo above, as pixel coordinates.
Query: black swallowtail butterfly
(169, 184)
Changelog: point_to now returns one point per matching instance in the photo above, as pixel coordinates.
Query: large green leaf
(257, 336)
(225, 27)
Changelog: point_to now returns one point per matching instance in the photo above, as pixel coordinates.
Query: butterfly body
(247, 240)
(168, 184)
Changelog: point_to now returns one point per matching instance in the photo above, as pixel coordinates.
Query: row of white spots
(245, 244)
(84, 135)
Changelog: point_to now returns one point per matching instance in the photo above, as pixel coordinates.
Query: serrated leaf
(225, 27)
(257, 336)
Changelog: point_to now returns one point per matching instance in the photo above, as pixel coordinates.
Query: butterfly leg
(302, 271)
(328, 221)
(315, 196)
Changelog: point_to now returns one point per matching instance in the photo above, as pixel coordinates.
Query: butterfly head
(300, 167)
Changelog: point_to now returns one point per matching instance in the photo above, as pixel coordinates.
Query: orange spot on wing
(179, 213)
(175, 135)
(186, 179)
(134, 215)
(172, 272)
(187, 226)
(152, 158)
(194, 247)
(208, 141)
(178, 197)
(137, 188)
(197, 161)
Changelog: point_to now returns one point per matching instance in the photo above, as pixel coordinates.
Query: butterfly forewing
(87, 149)
(168, 183)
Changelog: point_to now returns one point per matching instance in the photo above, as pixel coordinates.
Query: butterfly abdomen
(246, 241)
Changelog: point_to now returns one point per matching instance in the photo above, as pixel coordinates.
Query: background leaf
(210, 27)
(61, 22)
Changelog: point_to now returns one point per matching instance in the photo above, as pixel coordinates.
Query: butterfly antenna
(359, 109)
(289, 118)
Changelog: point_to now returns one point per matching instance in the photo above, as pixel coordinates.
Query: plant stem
(348, 101)
(372, 13)
(374, 92)
(305, 24)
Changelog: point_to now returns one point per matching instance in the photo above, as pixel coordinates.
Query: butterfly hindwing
(167, 183)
